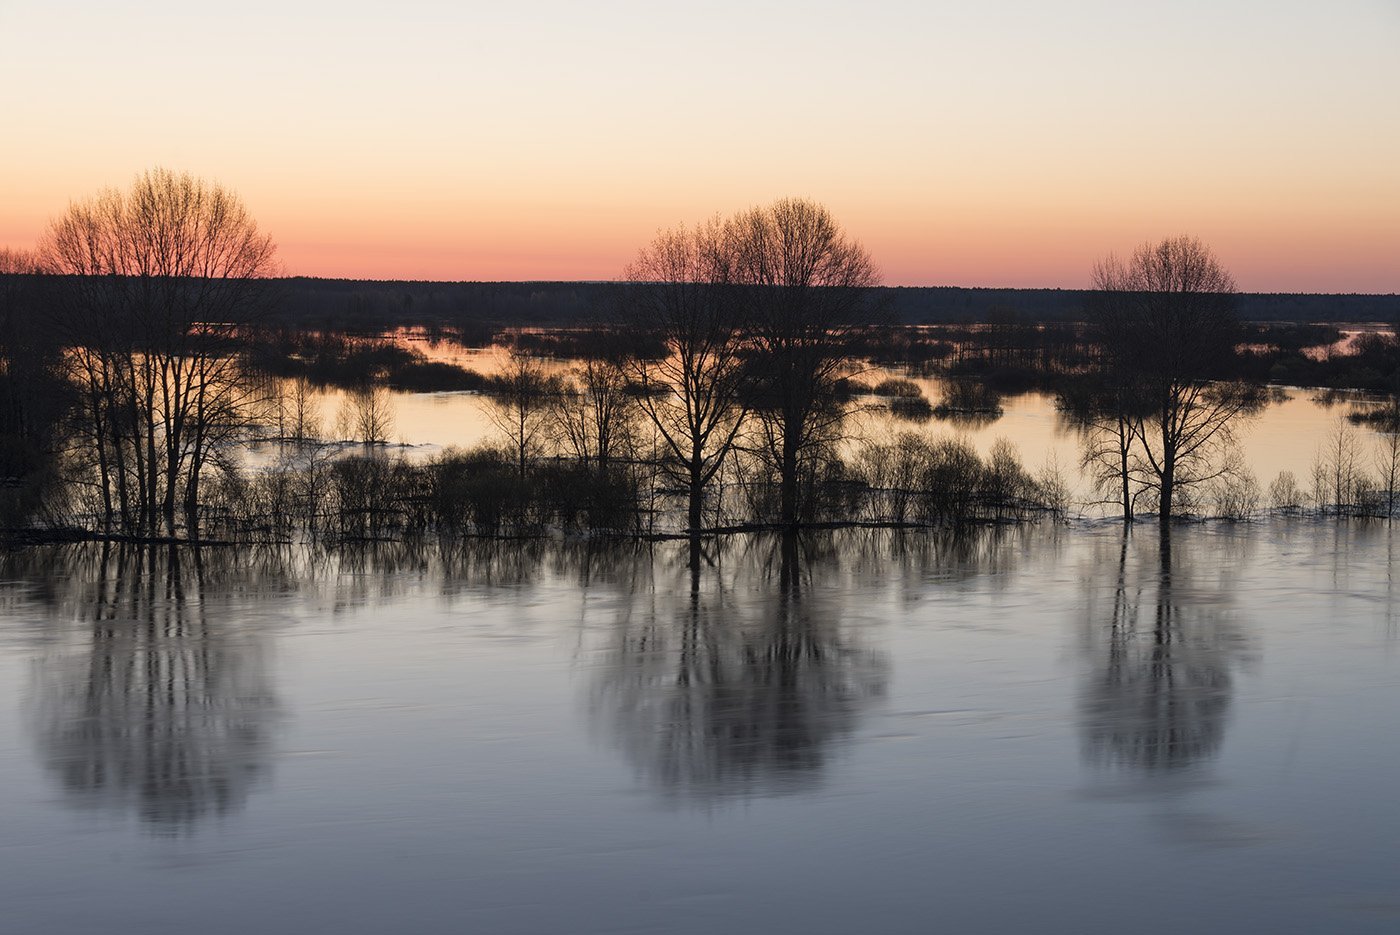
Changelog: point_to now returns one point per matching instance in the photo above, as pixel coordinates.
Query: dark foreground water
(1033, 730)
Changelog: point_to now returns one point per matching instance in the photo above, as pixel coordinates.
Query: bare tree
(298, 413)
(1166, 322)
(163, 277)
(1284, 493)
(595, 418)
(523, 394)
(806, 288)
(15, 262)
(681, 296)
(1338, 478)
(371, 414)
(1388, 468)
(1106, 453)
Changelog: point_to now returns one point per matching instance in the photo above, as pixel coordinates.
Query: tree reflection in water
(718, 689)
(167, 708)
(1159, 695)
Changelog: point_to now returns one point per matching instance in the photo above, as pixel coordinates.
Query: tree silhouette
(163, 281)
(523, 401)
(680, 294)
(807, 289)
(1165, 321)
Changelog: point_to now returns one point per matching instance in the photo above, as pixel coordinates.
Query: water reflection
(165, 708)
(1158, 697)
(380, 573)
(713, 690)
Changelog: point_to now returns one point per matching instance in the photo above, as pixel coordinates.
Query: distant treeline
(474, 308)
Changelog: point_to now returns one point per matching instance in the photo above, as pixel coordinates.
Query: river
(1037, 728)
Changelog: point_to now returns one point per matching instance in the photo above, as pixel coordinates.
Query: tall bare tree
(806, 289)
(680, 294)
(1166, 323)
(163, 277)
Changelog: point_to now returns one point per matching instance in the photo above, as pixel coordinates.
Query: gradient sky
(1000, 142)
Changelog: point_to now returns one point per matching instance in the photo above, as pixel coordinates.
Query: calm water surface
(1284, 436)
(1026, 730)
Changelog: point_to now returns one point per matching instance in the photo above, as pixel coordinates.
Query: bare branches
(523, 405)
(162, 278)
(806, 287)
(682, 294)
(755, 314)
(1164, 321)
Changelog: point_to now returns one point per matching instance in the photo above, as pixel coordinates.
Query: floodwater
(1286, 435)
(1026, 729)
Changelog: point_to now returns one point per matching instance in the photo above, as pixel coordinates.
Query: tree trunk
(192, 503)
(694, 519)
(1167, 478)
(1124, 446)
(787, 471)
(1164, 503)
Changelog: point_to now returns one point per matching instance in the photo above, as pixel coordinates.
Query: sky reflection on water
(1058, 729)
(1285, 435)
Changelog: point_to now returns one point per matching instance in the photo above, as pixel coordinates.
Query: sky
(987, 143)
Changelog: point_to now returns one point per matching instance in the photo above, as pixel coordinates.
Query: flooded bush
(478, 492)
(849, 387)
(892, 472)
(1285, 494)
(828, 490)
(350, 361)
(911, 410)
(478, 489)
(435, 376)
(1387, 461)
(376, 497)
(30, 489)
(898, 389)
(905, 398)
(574, 496)
(915, 480)
(950, 483)
(1005, 485)
(1234, 496)
(367, 415)
(968, 396)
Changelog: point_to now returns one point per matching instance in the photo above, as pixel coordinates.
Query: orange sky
(1002, 143)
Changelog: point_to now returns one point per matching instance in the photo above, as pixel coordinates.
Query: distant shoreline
(393, 302)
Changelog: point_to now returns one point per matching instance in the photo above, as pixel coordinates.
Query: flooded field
(1040, 728)
(1286, 435)
(1062, 728)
